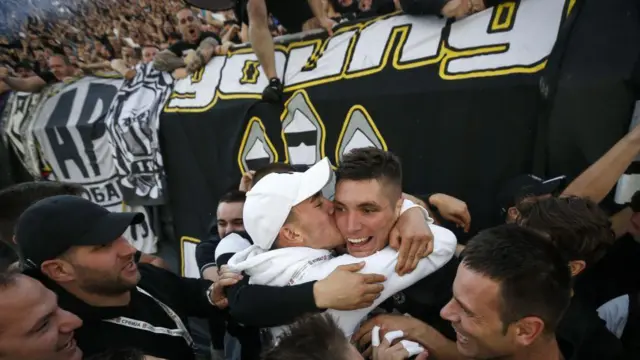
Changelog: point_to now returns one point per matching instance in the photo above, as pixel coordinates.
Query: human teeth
(357, 241)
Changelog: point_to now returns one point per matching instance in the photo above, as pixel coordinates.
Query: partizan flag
(132, 122)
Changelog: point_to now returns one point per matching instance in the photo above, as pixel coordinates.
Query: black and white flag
(21, 110)
(70, 128)
(132, 122)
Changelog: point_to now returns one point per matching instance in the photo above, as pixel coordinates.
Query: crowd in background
(558, 281)
(92, 33)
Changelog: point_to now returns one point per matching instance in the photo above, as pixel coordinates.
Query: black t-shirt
(616, 274)
(292, 14)
(181, 46)
(586, 332)
(48, 77)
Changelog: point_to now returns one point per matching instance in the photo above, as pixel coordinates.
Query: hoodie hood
(280, 267)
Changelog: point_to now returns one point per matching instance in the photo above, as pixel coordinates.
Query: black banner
(461, 103)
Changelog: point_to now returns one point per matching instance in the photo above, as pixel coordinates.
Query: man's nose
(68, 321)
(448, 312)
(353, 223)
(124, 247)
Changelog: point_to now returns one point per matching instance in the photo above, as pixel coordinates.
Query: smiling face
(33, 326)
(365, 213)
(474, 313)
(229, 215)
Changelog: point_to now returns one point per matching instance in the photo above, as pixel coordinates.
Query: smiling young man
(32, 326)
(76, 249)
(293, 232)
(510, 292)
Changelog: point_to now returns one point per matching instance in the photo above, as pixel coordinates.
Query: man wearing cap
(77, 250)
(293, 234)
(523, 187)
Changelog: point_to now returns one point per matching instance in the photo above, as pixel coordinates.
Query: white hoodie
(297, 265)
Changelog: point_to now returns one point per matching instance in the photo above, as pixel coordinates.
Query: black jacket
(586, 332)
(186, 297)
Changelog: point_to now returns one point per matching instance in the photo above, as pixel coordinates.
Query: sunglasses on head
(186, 20)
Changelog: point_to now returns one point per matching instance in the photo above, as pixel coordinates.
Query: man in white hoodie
(278, 215)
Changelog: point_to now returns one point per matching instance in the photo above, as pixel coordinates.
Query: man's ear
(58, 270)
(289, 236)
(512, 215)
(528, 329)
(577, 266)
(398, 206)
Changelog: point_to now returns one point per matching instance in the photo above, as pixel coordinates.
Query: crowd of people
(45, 42)
(286, 273)
(289, 274)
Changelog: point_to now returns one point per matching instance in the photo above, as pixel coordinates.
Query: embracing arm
(266, 306)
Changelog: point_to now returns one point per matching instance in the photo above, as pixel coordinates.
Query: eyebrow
(315, 196)
(463, 306)
(44, 318)
(368, 204)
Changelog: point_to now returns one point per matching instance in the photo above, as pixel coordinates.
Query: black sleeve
(190, 295)
(266, 306)
(490, 3)
(205, 254)
(208, 34)
(422, 7)
(178, 48)
(48, 77)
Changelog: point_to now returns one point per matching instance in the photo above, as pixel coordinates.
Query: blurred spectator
(203, 46)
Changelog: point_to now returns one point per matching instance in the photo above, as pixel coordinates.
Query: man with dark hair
(33, 326)
(582, 232)
(76, 249)
(311, 337)
(367, 171)
(520, 285)
(228, 219)
(510, 292)
(281, 217)
(576, 226)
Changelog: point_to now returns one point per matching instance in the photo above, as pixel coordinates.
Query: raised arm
(599, 178)
(31, 84)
